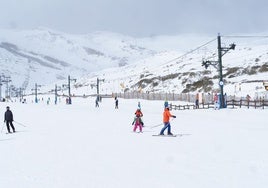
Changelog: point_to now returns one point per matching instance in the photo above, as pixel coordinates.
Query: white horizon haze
(137, 18)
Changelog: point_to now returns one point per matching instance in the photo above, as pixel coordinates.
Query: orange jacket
(166, 115)
(138, 113)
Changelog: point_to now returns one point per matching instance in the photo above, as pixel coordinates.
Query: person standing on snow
(137, 123)
(116, 102)
(139, 105)
(166, 116)
(197, 101)
(216, 102)
(139, 114)
(97, 102)
(8, 120)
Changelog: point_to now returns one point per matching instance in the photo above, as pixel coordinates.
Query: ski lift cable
(167, 62)
(258, 38)
(245, 36)
(191, 51)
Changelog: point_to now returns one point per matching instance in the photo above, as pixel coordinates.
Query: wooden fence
(191, 106)
(230, 104)
(206, 103)
(248, 103)
(163, 96)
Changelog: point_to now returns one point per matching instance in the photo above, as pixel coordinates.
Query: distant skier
(216, 102)
(67, 100)
(97, 102)
(166, 116)
(225, 100)
(139, 105)
(48, 100)
(197, 101)
(8, 120)
(116, 102)
(248, 97)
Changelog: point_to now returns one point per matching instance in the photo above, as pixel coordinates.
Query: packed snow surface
(81, 146)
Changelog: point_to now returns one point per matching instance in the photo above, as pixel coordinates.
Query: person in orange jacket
(138, 113)
(166, 116)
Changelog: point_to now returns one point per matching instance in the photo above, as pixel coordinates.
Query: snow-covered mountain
(157, 64)
(43, 56)
(244, 70)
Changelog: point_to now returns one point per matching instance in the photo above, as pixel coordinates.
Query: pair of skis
(167, 135)
(173, 135)
(12, 132)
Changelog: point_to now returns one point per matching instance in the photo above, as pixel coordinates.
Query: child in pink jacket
(137, 123)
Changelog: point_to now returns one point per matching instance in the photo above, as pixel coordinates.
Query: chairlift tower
(69, 88)
(56, 93)
(221, 51)
(1, 87)
(35, 91)
(98, 87)
(6, 80)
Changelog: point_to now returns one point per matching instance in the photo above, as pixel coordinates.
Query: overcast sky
(140, 18)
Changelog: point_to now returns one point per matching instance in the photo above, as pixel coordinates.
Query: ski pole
(159, 124)
(20, 124)
(156, 125)
(2, 127)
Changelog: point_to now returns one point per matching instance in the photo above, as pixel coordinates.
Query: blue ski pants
(166, 126)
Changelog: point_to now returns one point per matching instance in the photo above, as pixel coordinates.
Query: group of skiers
(98, 99)
(138, 122)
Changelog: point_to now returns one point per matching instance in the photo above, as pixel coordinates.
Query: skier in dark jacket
(116, 102)
(8, 120)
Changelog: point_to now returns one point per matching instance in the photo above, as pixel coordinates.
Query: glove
(174, 116)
